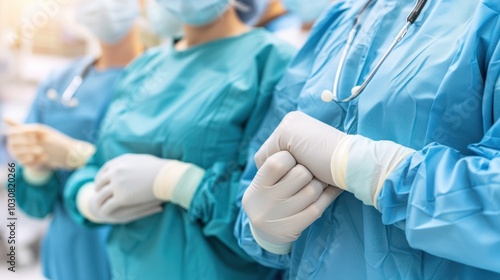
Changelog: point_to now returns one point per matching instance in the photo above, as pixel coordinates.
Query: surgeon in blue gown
(416, 154)
(58, 135)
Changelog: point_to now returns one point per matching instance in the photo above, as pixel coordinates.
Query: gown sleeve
(216, 202)
(448, 203)
(37, 201)
(75, 182)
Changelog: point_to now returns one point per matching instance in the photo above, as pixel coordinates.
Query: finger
(279, 139)
(104, 199)
(274, 169)
(21, 138)
(34, 150)
(306, 196)
(11, 122)
(102, 178)
(295, 180)
(314, 211)
(26, 159)
(268, 149)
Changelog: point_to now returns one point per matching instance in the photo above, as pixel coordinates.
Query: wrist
(83, 200)
(273, 247)
(177, 182)
(79, 154)
(37, 176)
(361, 165)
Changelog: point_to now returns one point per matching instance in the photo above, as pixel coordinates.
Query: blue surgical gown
(438, 92)
(201, 105)
(69, 251)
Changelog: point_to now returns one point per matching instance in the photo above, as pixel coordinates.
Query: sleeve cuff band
(37, 177)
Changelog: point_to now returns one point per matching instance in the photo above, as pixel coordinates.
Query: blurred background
(36, 36)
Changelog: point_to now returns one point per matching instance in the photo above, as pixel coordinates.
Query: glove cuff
(83, 198)
(79, 154)
(278, 249)
(361, 165)
(37, 177)
(177, 182)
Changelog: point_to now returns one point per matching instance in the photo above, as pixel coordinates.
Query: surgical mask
(307, 10)
(162, 22)
(109, 20)
(196, 12)
(251, 11)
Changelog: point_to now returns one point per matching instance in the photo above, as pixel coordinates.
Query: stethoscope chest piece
(52, 94)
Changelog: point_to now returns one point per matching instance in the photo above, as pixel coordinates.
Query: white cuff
(36, 177)
(361, 165)
(177, 182)
(80, 154)
(281, 249)
(83, 198)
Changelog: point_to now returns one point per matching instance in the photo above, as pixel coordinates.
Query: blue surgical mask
(196, 12)
(109, 20)
(307, 10)
(163, 23)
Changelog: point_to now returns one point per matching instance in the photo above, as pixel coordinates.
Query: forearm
(447, 204)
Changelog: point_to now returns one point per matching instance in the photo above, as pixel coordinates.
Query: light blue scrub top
(201, 106)
(69, 251)
(439, 93)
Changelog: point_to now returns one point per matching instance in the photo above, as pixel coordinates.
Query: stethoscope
(329, 96)
(68, 97)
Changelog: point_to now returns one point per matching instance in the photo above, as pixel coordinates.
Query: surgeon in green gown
(173, 146)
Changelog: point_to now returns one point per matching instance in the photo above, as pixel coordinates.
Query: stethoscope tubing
(357, 90)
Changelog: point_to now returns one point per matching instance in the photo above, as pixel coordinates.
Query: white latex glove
(136, 179)
(128, 180)
(310, 142)
(283, 200)
(351, 162)
(38, 146)
(91, 204)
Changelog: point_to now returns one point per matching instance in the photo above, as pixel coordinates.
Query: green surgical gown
(201, 106)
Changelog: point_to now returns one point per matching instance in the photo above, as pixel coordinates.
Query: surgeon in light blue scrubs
(59, 134)
(173, 145)
(402, 180)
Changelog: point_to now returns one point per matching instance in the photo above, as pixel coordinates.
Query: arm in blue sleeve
(216, 202)
(37, 201)
(75, 182)
(448, 203)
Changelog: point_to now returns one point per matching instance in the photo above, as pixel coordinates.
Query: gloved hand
(310, 142)
(38, 146)
(128, 180)
(283, 200)
(91, 205)
(136, 179)
(350, 162)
